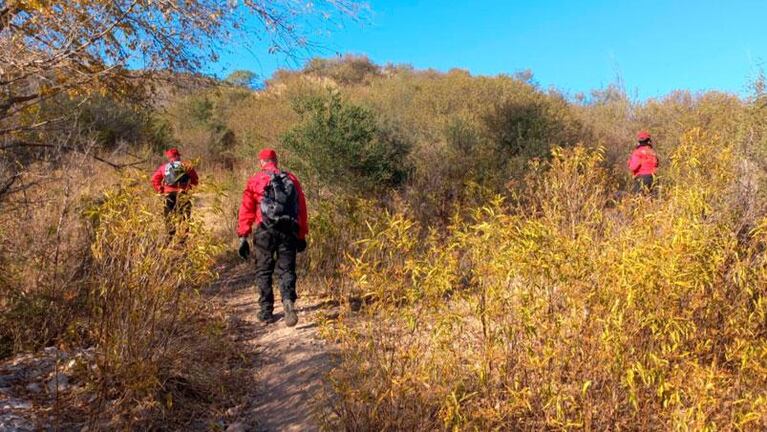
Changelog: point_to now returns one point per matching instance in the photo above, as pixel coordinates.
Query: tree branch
(15, 100)
(27, 144)
(6, 14)
(8, 184)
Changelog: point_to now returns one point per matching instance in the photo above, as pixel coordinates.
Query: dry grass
(569, 312)
(93, 266)
(542, 304)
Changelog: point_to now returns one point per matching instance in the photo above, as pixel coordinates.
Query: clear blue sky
(655, 46)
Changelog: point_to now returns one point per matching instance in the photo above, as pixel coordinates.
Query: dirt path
(288, 363)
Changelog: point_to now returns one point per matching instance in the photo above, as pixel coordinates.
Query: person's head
(643, 138)
(267, 156)
(172, 154)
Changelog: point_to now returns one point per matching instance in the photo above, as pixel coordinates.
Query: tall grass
(496, 291)
(567, 309)
(147, 319)
(44, 251)
(108, 276)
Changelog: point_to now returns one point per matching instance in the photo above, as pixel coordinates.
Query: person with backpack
(643, 164)
(174, 180)
(273, 209)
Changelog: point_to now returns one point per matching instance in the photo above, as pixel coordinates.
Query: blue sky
(654, 46)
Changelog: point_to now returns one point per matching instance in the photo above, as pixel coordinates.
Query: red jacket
(643, 161)
(250, 209)
(160, 187)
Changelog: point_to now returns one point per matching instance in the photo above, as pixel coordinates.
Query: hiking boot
(265, 316)
(291, 318)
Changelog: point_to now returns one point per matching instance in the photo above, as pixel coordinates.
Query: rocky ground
(41, 391)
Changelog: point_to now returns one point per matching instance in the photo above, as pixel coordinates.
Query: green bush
(350, 69)
(241, 78)
(344, 145)
(531, 127)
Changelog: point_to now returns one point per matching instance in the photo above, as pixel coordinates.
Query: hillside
(476, 260)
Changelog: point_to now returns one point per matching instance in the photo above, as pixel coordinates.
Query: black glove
(244, 250)
(300, 245)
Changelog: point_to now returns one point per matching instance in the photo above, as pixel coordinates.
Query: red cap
(643, 136)
(172, 153)
(267, 154)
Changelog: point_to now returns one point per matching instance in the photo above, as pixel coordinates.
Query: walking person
(273, 209)
(174, 180)
(643, 164)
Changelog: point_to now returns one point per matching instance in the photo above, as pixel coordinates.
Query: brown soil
(288, 364)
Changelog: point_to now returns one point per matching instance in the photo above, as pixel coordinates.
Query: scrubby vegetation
(493, 272)
(92, 266)
(567, 310)
(506, 280)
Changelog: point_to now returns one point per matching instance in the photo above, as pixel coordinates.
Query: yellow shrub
(156, 342)
(576, 311)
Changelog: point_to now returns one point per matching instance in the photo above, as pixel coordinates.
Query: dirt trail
(288, 363)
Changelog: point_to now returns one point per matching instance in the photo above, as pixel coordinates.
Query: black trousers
(644, 184)
(178, 208)
(275, 253)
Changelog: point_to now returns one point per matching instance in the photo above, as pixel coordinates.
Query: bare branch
(15, 100)
(6, 14)
(56, 54)
(27, 144)
(9, 183)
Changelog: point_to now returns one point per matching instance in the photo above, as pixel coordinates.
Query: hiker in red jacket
(643, 164)
(175, 179)
(274, 203)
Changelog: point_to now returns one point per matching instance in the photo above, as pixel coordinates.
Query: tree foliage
(51, 51)
(349, 69)
(241, 78)
(344, 144)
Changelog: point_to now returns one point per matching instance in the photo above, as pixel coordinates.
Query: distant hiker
(274, 202)
(643, 164)
(175, 179)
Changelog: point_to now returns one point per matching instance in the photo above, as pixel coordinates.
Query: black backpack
(279, 205)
